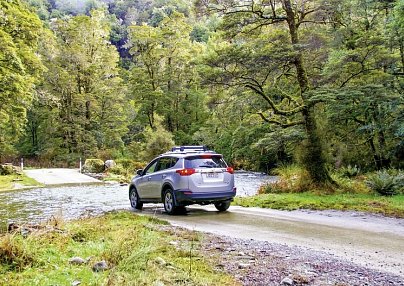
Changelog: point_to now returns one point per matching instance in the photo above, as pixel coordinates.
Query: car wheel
(222, 206)
(134, 199)
(169, 202)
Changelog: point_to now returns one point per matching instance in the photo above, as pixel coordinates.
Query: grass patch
(9, 182)
(389, 206)
(295, 190)
(132, 246)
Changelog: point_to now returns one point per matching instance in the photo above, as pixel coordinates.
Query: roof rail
(189, 148)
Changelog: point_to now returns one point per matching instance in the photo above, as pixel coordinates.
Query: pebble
(160, 261)
(77, 260)
(287, 281)
(243, 265)
(100, 266)
(76, 283)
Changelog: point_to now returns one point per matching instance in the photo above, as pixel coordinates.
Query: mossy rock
(7, 169)
(129, 164)
(93, 166)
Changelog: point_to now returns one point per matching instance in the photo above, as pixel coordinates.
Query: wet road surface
(371, 241)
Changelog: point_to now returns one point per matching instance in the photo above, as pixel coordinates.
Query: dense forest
(314, 82)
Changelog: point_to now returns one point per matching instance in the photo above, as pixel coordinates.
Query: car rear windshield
(205, 161)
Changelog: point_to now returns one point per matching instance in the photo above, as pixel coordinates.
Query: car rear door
(211, 174)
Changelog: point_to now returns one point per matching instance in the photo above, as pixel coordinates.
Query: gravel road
(261, 263)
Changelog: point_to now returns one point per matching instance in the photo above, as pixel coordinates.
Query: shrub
(7, 170)
(93, 166)
(350, 171)
(14, 252)
(386, 183)
(125, 169)
(130, 165)
(292, 179)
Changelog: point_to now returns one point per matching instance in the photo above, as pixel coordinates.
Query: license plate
(212, 175)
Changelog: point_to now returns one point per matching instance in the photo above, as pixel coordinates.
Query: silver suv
(183, 176)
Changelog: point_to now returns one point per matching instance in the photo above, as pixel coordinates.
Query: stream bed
(68, 202)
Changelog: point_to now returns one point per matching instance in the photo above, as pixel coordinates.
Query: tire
(169, 202)
(134, 199)
(222, 206)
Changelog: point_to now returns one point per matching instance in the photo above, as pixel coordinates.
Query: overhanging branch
(281, 124)
(273, 106)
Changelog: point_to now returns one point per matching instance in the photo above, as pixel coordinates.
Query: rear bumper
(187, 197)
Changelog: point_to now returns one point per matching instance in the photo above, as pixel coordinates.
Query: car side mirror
(139, 172)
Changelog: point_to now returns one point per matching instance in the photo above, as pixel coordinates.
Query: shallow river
(73, 202)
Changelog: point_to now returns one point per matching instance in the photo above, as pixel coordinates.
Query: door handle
(164, 176)
(149, 178)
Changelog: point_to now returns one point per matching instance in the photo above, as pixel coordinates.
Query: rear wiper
(206, 166)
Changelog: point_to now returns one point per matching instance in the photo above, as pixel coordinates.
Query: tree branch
(273, 105)
(283, 125)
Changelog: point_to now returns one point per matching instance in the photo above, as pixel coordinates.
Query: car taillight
(230, 170)
(186, 172)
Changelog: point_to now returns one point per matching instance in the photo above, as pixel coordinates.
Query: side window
(151, 168)
(173, 162)
(164, 163)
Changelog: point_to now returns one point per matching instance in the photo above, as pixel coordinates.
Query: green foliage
(292, 179)
(20, 67)
(157, 141)
(125, 169)
(95, 81)
(385, 183)
(350, 171)
(7, 170)
(15, 253)
(93, 166)
(164, 80)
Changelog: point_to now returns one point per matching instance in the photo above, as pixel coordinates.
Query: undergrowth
(133, 247)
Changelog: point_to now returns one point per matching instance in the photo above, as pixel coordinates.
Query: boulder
(93, 166)
(7, 169)
(109, 164)
(100, 266)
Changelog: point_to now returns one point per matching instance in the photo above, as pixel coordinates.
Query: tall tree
(20, 67)
(83, 77)
(364, 66)
(268, 52)
(164, 77)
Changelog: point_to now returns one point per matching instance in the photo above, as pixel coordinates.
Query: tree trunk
(314, 159)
